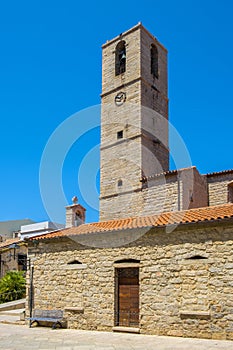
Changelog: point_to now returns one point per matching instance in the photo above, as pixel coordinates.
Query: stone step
(16, 312)
(13, 305)
(13, 316)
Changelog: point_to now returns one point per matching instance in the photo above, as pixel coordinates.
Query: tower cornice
(136, 27)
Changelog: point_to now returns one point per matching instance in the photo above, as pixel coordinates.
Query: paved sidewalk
(15, 337)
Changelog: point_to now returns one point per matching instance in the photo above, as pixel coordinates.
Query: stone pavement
(15, 337)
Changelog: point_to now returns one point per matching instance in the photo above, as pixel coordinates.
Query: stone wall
(185, 279)
(218, 187)
(172, 191)
(193, 189)
(160, 195)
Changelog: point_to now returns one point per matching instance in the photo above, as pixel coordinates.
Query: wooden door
(128, 297)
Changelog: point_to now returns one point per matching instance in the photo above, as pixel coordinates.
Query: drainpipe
(31, 293)
(178, 189)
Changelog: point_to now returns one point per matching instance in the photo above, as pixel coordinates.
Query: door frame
(135, 264)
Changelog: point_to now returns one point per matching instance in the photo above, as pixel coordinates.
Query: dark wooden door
(128, 297)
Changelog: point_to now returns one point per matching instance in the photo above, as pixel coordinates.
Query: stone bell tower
(134, 118)
(75, 214)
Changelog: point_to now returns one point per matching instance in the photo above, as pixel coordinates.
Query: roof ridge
(219, 172)
(194, 215)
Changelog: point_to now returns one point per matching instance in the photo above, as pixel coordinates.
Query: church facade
(160, 259)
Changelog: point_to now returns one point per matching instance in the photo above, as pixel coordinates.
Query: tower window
(154, 61)
(120, 183)
(120, 58)
(120, 134)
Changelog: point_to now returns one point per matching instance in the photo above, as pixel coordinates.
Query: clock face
(120, 98)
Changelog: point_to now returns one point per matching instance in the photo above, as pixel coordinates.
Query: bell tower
(134, 119)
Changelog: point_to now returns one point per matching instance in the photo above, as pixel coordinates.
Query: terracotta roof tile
(179, 217)
(8, 242)
(229, 171)
(176, 171)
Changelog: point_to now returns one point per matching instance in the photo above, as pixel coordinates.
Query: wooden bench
(52, 316)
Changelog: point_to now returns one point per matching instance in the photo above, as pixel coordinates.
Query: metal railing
(127, 318)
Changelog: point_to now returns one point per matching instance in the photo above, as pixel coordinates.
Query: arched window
(154, 61)
(197, 257)
(78, 218)
(129, 261)
(74, 262)
(120, 58)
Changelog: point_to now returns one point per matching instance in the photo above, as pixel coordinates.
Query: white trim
(74, 266)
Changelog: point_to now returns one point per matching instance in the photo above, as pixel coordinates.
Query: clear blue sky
(50, 68)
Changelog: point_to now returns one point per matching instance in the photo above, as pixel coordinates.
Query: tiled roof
(5, 244)
(223, 172)
(174, 172)
(198, 215)
(165, 173)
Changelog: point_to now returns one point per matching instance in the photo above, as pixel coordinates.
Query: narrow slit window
(154, 61)
(230, 192)
(120, 183)
(120, 134)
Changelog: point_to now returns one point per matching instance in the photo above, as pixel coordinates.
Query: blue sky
(50, 68)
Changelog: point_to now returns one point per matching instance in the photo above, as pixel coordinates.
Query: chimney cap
(75, 200)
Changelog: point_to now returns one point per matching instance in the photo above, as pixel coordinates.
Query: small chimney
(75, 214)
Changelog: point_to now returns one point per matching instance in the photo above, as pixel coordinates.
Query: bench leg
(31, 322)
(55, 325)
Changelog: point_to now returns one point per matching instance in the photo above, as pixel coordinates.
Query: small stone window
(154, 61)
(120, 58)
(119, 183)
(74, 262)
(120, 134)
(230, 192)
(197, 257)
(22, 262)
(75, 265)
(191, 196)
